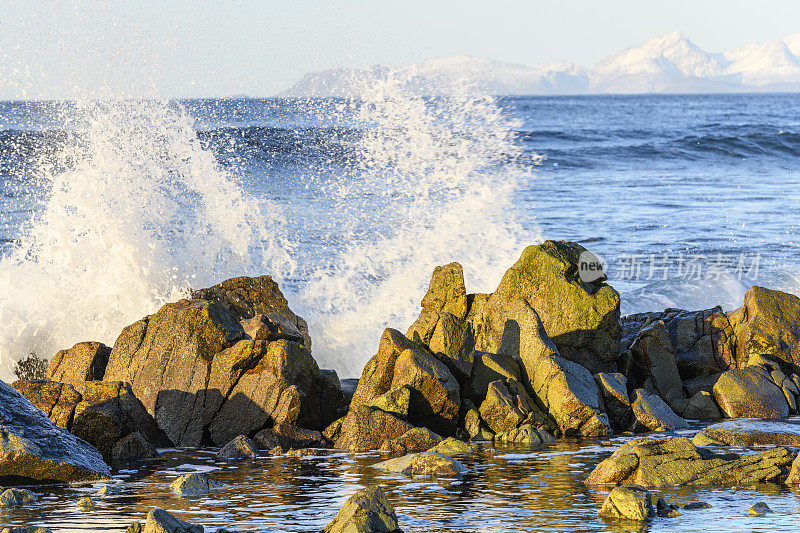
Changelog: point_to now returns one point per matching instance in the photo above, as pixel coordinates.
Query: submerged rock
(749, 433)
(452, 447)
(87, 504)
(160, 521)
(424, 464)
(366, 511)
(759, 509)
(33, 448)
(630, 502)
(25, 529)
(676, 461)
(239, 448)
(194, 484)
(16, 498)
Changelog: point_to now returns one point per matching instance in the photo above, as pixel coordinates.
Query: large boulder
(412, 441)
(435, 392)
(86, 361)
(110, 411)
(768, 324)
(376, 378)
(508, 406)
(34, 449)
(653, 414)
(581, 318)
(750, 433)
(750, 393)
(366, 511)
(567, 389)
(676, 461)
(206, 381)
(57, 400)
(366, 429)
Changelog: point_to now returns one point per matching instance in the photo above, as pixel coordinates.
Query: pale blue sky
(259, 48)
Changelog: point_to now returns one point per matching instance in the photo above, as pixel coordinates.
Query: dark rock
(693, 506)
(86, 361)
(239, 448)
(32, 448)
(759, 509)
(289, 436)
(57, 400)
(366, 511)
(16, 498)
(132, 447)
(613, 387)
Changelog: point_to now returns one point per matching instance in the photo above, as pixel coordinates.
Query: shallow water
(518, 488)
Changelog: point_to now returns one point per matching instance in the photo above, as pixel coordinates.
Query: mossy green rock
(160, 521)
(194, 484)
(628, 503)
(768, 324)
(749, 433)
(57, 400)
(676, 461)
(376, 378)
(750, 393)
(366, 429)
(414, 440)
(366, 511)
(428, 463)
(395, 401)
(581, 318)
(525, 434)
(452, 447)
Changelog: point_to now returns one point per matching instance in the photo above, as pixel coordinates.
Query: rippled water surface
(513, 489)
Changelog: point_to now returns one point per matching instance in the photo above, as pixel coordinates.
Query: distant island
(667, 64)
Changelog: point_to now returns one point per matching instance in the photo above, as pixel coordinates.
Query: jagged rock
(276, 451)
(768, 324)
(57, 400)
(490, 367)
(197, 373)
(665, 510)
(615, 397)
(424, 464)
(87, 504)
(750, 393)
(110, 411)
(289, 436)
(702, 342)
(333, 431)
(676, 461)
(499, 410)
(33, 448)
(655, 362)
(581, 318)
(446, 294)
(630, 502)
(567, 390)
(701, 406)
(526, 434)
(749, 433)
(160, 521)
(395, 401)
(132, 447)
(194, 484)
(759, 509)
(239, 448)
(271, 327)
(366, 511)
(365, 429)
(107, 490)
(435, 393)
(472, 419)
(452, 340)
(376, 378)
(86, 361)
(412, 441)
(654, 414)
(16, 498)
(794, 472)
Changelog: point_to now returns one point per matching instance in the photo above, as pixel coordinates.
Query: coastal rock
(376, 378)
(396, 401)
(271, 327)
(289, 436)
(654, 361)
(366, 429)
(567, 390)
(499, 410)
(86, 361)
(160, 521)
(750, 393)
(194, 484)
(701, 406)
(366, 511)
(33, 448)
(26, 529)
(630, 502)
(110, 411)
(435, 397)
(768, 323)
(759, 509)
(132, 447)
(490, 367)
(425, 464)
(57, 400)
(526, 434)
(16, 498)
(87, 504)
(452, 341)
(613, 387)
(581, 318)
(412, 441)
(654, 414)
(794, 473)
(472, 419)
(452, 447)
(446, 291)
(239, 448)
(676, 461)
(750, 433)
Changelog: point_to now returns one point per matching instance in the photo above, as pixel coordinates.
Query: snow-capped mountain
(668, 64)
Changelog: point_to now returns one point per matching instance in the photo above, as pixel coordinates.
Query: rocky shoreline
(546, 356)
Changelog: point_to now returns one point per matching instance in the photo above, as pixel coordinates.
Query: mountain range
(668, 64)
